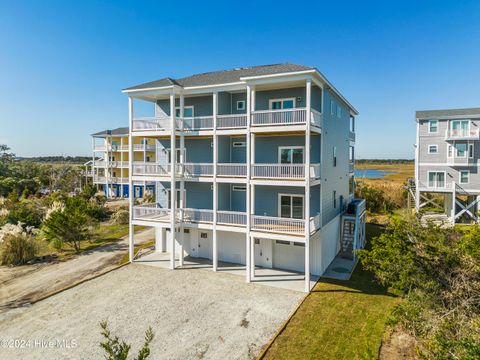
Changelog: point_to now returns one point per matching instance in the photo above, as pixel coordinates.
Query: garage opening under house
(252, 166)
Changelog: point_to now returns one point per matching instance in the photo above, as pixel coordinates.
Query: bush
(26, 212)
(69, 224)
(121, 217)
(17, 246)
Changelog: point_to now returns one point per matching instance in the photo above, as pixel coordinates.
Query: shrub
(70, 224)
(121, 217)
(17, 245)
(381, 197)
(26, 212)
(117, 349)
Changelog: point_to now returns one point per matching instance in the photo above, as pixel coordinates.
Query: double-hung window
(432, 149)
(291, 206)
(464, 176)
(290, 155)
(433, 126)
(436, 179)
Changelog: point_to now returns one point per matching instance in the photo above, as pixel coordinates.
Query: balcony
(352, 136)
(155, 213)
(284, 171)
(462, 134)
(435, 187)
(461, 161)
(143, 147)
(259, 171)
(296, 116)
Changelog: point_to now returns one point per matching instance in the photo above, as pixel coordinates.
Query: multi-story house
(253, 166)
(446, 163)
(109, 167)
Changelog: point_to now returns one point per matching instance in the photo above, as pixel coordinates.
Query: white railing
(151, 212)
(435, 186)
(100, 163)
(461, 160)
(279, 171)
(231, 169)
(198, 123)
(118, 148)
(316, 118)
(99, 179)
(232, 218)
(462, 133)
(141, 168)
(151, 123)
(197, 215)
(118, 164)
(279, 225)
(279, 117)
(143, 147)
(99, 148)
(231, 121)
(197, 169)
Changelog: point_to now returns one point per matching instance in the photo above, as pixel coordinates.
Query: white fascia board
(279, 75)
(169, 87)
(452, 117)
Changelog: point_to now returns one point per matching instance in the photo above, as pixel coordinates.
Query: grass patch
(402, 172)
(338, 320)
(125, 258)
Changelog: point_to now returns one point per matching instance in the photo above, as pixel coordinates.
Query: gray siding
(335, 133)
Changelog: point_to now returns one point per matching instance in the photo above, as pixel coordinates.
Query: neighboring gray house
(446, 162)
(258, 171)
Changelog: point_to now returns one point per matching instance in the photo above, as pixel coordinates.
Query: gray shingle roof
(435, 114)
(117, 132)
(223, 77)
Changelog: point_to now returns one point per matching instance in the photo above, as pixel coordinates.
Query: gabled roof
(115, 132)
(446, 114)
(223, 76)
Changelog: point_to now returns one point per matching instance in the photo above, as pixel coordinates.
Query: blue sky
(63, 63)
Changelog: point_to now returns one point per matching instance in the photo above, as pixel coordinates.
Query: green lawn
(338, 320)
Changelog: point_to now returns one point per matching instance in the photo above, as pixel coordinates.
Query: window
(147, 158)
(334, 199)
(436, 179)
(459, 127)
(290, 155)
(204, 235)
(277, 104)
(241, 105)
(470, 150)
(464, 176)
(282, 242)
(334, 156)
(351, 185)
(339, 112)
(351, 154)
(450, 151)
(432, 149)
(461, 150)
(187, 111)
(239, 188)
(352, 123)
(433, 126)
(332, 107)
(299, 244)
(291, 206)
(239, 144)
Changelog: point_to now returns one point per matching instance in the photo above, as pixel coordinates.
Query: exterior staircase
(347, 237)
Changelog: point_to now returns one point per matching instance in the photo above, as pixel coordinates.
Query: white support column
(173, 192)
(417, 171)
(130, 182)
(252, 206)
(121, 169)
(182, 180)
(248, 255)
(307, 185)
(454, 204)
(215, 184)
(105, 168)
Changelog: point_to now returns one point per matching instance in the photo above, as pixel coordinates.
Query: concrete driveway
(195, 314)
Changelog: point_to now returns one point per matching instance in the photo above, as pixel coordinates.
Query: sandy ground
(23, 284)
(195, 314)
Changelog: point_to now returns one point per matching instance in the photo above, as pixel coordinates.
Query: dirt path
(24, 284)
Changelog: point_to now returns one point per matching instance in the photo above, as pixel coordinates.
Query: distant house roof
(223, 76)
(114, 132)
(447, 114)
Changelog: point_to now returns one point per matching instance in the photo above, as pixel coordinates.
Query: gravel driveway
(195, 314)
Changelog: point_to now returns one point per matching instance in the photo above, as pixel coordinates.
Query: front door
(138, 191)
(263, 253)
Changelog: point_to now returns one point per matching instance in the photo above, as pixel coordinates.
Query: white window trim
(280, 148)
(186, 107)
(282, 100)
(460, 177)
(460, 120)
(432, 132)
(471, 153)
(291, 208)
(332, 107)
(450, 154)
(464, 154)
(444, 179)
(241, 102)
(433, 145)
(339, 111)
